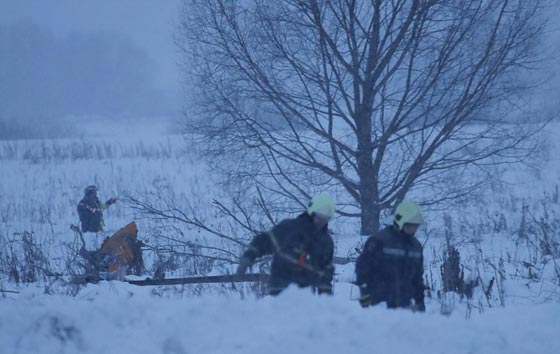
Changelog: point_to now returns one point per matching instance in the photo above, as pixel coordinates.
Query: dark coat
(302, 254)
(90, 210)
(391, 269)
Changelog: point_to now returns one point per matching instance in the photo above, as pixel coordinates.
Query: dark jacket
(301, 254)
(90, 210)
(391, 269)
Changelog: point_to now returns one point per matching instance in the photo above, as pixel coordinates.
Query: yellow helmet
(408, 212)
(322, 205)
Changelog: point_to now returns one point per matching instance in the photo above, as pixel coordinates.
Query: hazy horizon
(61, 60)
(64, 59)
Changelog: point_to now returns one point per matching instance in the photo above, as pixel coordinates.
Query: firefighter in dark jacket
(302, 249)
(90, 210)
(390, 268)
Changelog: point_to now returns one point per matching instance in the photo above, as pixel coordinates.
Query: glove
(365, 300)
(111, 200)
(244, 263)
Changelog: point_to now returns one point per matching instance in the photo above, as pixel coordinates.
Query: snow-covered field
(515, 307)
(117, 318)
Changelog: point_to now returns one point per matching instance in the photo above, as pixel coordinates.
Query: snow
(120, 318)
(43, 180)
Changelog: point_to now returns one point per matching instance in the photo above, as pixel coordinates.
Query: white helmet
(408, 212)
(322, 205)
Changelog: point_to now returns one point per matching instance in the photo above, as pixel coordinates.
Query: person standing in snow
(90, 210)
(390, 268)
(302, 249)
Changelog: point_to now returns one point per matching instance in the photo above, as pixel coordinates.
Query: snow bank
(120, 318)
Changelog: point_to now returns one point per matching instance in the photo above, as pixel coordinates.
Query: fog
(63, 61)
(79, 74)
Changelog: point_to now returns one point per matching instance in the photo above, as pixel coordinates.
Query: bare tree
(370, 99)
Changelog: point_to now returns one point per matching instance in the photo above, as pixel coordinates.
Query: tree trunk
(370, 213)
(369, 194)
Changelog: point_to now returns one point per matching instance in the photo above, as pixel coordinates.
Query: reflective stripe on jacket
(301, 253)
(391, 268)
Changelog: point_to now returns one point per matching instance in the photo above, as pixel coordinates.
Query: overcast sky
(149, 23)
(143, 24)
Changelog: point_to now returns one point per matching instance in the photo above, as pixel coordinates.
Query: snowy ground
(119, 318)
(41, 182)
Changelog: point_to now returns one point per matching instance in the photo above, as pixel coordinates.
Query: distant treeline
(80, 74)
(25, 127)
